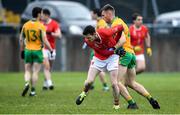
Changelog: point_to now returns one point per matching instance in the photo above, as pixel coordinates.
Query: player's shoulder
(101, 21)
(144, 27)
(27, 23)
(54, 22)
(118, 20)
(40, 24)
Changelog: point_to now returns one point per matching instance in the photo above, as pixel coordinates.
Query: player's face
(139, 21)
(92, 37)
(44, 17)
(108, 15)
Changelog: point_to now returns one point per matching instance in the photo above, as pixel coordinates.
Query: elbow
(58, 35)
(123, 40)
(21, 41)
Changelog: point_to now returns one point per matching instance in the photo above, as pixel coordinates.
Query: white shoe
(33, 93)
(106, 88)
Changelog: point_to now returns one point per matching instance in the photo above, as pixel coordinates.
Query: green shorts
(129, 60)
(31, 56)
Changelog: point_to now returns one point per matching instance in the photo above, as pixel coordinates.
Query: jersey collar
(137, 28)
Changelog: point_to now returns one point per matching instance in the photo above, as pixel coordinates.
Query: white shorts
(47, 54)
(109, 64)
(140, 57)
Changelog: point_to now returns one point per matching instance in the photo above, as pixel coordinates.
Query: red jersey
(138, 36)
(51, 27)
(106, 41)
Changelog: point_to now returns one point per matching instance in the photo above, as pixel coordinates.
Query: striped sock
(130, 100)
(87, 87)
(26, 83)
(148, 96)
(104, 84)
(116, 102)
(32, 89)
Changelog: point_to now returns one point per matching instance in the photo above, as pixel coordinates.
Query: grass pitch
(165, 87)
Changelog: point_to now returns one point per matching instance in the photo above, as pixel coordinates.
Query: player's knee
(114, 74)
(114, 85)
(35, 74)
(27, 70)
(102, 74)
(131, 84)
(47, 67)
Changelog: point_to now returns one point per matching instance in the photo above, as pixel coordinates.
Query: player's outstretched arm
(105, 52)
(45, 41)
(148, 44)
(21, 40)
(121, 41)
(57, 33)
(113, 30)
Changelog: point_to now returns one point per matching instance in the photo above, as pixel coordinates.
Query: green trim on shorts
(91, 54)
(32, 56)
(129, 60)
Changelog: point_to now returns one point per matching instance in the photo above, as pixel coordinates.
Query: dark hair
(135, 15)
(97, 11)
(89, 30)
(36, 11)
(46, 12)
(108, 7)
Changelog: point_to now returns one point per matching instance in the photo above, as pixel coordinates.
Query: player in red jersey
(96, 15)
(52, 31)
(140, 34)
(103, 43)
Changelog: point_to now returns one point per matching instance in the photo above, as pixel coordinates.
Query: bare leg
(47, 73)
(92, 73)
(123, 90)
(114, 83)
(102, 76)
(27, 75)
(27, 78)
(36, 68)
(140, 66)
(51, 64)
(130, 80)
